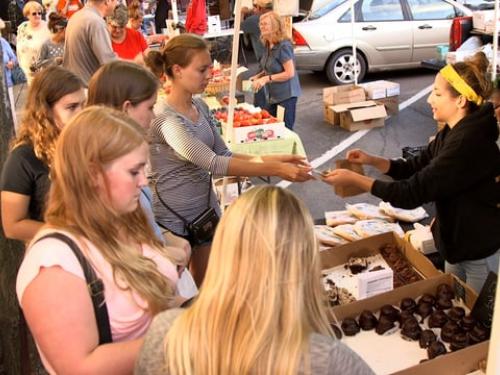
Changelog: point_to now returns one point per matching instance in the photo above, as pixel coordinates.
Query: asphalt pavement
(411, 127)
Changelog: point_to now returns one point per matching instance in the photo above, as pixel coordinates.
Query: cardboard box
(343, 94)
(459, 362)
(481, 18)
(356, 118)
(391, 104)
(348, 191)
(330, 116)
(381, 89)
(371, 245)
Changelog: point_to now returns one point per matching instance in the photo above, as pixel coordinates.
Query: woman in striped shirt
(186, 148)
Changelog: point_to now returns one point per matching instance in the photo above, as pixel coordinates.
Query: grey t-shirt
(88, 43)
(328, 356)
(250, 27)
(272, 63)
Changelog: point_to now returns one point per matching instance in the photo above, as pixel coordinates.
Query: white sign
(374, 282)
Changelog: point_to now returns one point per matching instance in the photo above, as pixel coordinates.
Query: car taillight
(298, 39)
(460, 29)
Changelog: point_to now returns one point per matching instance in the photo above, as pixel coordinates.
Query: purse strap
(95, 287)
(186, 223)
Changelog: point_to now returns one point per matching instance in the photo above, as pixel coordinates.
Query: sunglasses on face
(36, 14)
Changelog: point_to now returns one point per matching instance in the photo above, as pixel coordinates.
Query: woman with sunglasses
(31, 35)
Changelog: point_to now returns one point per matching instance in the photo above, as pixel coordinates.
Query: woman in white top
(97, 177)
(31, 35)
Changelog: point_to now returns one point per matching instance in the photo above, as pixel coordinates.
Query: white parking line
(334, 151)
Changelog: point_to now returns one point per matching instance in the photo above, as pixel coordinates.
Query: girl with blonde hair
(261, 309)
(93, 210)
(54, 97)
(459, 170)
(278, 76)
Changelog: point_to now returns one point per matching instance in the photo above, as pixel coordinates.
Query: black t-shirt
(23, 173)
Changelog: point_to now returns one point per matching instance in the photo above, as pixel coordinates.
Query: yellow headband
(452, 77)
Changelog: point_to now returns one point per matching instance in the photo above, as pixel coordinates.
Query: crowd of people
(129, 263)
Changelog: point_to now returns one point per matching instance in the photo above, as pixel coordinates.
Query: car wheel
(340, 67)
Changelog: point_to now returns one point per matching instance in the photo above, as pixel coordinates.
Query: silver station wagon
(389, 34)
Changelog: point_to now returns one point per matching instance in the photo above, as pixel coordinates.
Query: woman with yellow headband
(459, 171)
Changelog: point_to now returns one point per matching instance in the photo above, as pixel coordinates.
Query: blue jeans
(474, 272)
(289, 105)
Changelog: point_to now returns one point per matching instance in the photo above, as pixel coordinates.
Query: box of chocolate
(419, 324)
(361, 268)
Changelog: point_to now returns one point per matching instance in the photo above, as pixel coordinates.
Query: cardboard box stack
(484, 20)
(340, 95)
(347, 105)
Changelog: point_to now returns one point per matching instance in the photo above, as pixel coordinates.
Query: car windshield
(327, 8)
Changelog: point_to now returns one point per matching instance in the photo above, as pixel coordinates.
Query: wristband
(270, 77)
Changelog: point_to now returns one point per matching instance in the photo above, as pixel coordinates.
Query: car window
(327, 8)
(431, 10)
(346, 17)
(381, 10)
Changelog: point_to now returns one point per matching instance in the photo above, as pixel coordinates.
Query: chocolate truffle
(445, 291)
(467, 323)
(389, 312)
(408, 304)
(435, 349)
(367, 320)
(456, 314)
(384, 324)
(357, 264)
(448, 330)
(405, 315)
(443, 304)
(411, 329)
(427, 298)
(478, 334)
(459, 341)
(437, 319)
(350, 327)
(427, 337)
(424, 309)
(336, 330)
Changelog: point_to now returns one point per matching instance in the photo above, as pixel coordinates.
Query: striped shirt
(183, 153)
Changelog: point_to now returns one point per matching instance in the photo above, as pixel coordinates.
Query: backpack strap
(95, 287)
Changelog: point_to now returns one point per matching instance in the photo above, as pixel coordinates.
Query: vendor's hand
(10, 65)
(294, 173)
(258, 83)
(340, 177)
(358, 156)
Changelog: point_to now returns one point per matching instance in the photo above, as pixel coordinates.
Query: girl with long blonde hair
(261, 309)
(54, 96)
(97, 175)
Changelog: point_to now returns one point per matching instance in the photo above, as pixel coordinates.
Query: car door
(381, 24)
(431, 22)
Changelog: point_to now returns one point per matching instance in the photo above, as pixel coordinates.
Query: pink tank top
(127, 312)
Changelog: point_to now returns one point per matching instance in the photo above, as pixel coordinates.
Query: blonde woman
(261, 309)
(278, 77)
(31, 35)
(94, 204)
(54, 97)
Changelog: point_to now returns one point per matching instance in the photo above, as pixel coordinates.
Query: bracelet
(270, 77)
